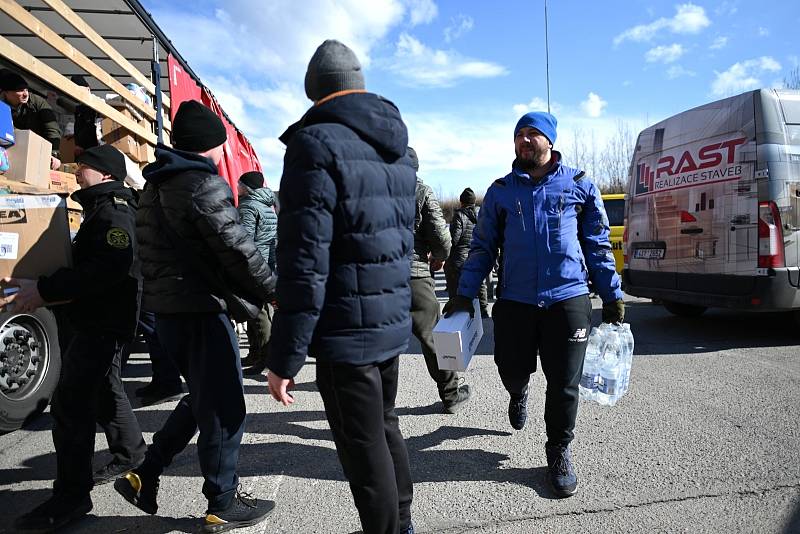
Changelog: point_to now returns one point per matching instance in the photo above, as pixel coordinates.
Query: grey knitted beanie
(332, 68)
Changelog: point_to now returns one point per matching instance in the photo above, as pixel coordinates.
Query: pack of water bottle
(607, 365)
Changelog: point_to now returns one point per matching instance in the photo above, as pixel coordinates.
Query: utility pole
(547, 56)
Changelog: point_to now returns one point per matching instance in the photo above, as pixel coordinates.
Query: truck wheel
(30, 365)
(683, 310)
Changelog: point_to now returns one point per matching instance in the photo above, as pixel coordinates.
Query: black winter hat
(11, 81)
(196, 128)
(467, 197)
(252, 179)
(414, 159)
(332, 68)
(106, 159)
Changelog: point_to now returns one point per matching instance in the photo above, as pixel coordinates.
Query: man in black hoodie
(103, 294)
(464, 220)
(199, 267)
(345, 237)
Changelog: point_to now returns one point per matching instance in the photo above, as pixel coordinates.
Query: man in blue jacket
(548, 223)
(345, 238)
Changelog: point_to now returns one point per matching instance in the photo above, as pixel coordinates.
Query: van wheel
(683, 310)
(30, 365)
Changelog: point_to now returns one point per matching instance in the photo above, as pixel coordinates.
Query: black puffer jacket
(198, 205)
(461, 227)
(344, 236)
(430, 232)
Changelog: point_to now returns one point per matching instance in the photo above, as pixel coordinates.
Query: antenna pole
(547, 56)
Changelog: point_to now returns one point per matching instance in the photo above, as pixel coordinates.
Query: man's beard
(534, 161)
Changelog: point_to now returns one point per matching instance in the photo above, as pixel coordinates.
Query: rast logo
(680, 169)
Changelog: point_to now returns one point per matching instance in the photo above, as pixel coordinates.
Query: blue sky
(462, 72)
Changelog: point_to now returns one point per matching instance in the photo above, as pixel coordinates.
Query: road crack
(470, 525)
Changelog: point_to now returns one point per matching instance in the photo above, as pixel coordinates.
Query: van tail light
(625, 243)
(687, 217)
(770, 237)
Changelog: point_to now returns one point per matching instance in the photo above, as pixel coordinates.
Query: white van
(714, 207)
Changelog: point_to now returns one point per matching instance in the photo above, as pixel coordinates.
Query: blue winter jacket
(539, 227)
(345, 236)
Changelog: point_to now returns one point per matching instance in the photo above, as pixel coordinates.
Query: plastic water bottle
(591, 366)
(611, 370)
(626, 337)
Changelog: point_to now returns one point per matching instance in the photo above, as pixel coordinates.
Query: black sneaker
(244, 511)
(453, 405)
(407, 530)
(518, 411)
(139, 490)
(157, 396)
(112, 471)
(252, 358)
(53, 514)
(562, 474)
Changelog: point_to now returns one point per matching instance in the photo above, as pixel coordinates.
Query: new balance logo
(579, 335)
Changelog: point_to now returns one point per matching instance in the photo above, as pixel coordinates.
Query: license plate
(649, 253)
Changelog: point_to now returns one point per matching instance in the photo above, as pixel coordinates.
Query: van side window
(658, 142)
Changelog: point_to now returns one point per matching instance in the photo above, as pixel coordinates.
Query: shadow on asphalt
(658, 332)
(20, 502)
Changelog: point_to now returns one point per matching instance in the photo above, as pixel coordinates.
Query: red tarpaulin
(239, 156)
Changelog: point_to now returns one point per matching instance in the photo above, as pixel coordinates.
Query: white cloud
(689, 18)
(664, 54)
(726, 8)
(743, 76)
(276, 39)
(593, 106)
(677, 71)
(418, 65)
(719, 43)
(536, 104)
(458, 26)
(763, 32)
(422, 11)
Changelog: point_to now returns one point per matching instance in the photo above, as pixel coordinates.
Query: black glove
(614, 312)
(457, 304)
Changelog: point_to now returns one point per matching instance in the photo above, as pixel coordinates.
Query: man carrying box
(551, 224)
(30, 111)
(102, 290)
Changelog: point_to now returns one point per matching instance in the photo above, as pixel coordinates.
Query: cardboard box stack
(66, 149)
(63, 182)
(122, 139)
(29, 159)
(34, 233)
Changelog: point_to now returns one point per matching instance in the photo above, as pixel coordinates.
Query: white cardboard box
(456, 338)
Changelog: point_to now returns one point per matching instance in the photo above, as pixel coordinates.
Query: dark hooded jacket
(103, 284)
(461, 227)
(345, 236)
(198, 206)
(257, 211)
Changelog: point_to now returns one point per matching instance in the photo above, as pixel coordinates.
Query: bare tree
(616, 158)
(792, 80)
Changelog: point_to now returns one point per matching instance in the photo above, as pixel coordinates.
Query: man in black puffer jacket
(192, 247)
(461, 227)
(344, 244)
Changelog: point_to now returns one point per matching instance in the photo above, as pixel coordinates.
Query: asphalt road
(706, 440)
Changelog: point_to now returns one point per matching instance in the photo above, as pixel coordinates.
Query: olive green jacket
(37, 115)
